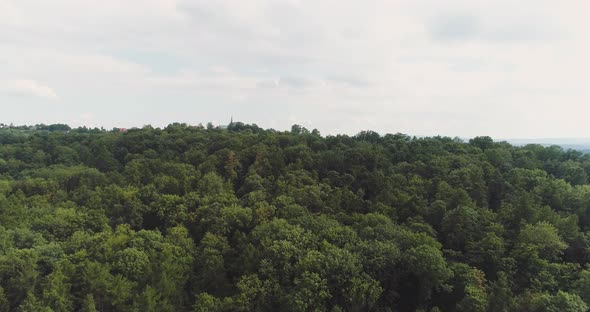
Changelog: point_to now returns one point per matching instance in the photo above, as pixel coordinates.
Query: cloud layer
(421, 67)
(26, 88)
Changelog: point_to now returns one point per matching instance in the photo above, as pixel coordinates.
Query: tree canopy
(192, 218)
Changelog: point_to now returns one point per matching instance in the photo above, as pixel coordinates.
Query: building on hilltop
(231, 122)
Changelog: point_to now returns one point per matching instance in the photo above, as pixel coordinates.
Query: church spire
(231, 121)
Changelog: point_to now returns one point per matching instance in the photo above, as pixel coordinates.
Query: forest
(240, 218)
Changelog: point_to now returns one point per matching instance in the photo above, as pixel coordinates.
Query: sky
(508, 69)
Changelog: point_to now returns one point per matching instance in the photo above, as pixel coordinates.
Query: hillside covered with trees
(245, 219)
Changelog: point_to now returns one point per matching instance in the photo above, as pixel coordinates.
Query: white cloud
(27, 87)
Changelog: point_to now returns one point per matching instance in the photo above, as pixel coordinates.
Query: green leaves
(247, 219)
(4, 304)
(542, 238)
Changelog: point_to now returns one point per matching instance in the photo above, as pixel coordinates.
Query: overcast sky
(460, 68)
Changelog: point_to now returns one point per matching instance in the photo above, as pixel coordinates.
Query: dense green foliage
(245, 219)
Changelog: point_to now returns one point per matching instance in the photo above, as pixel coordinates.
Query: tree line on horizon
(193, 218)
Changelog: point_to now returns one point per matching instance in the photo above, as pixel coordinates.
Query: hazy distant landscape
(579, 144)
